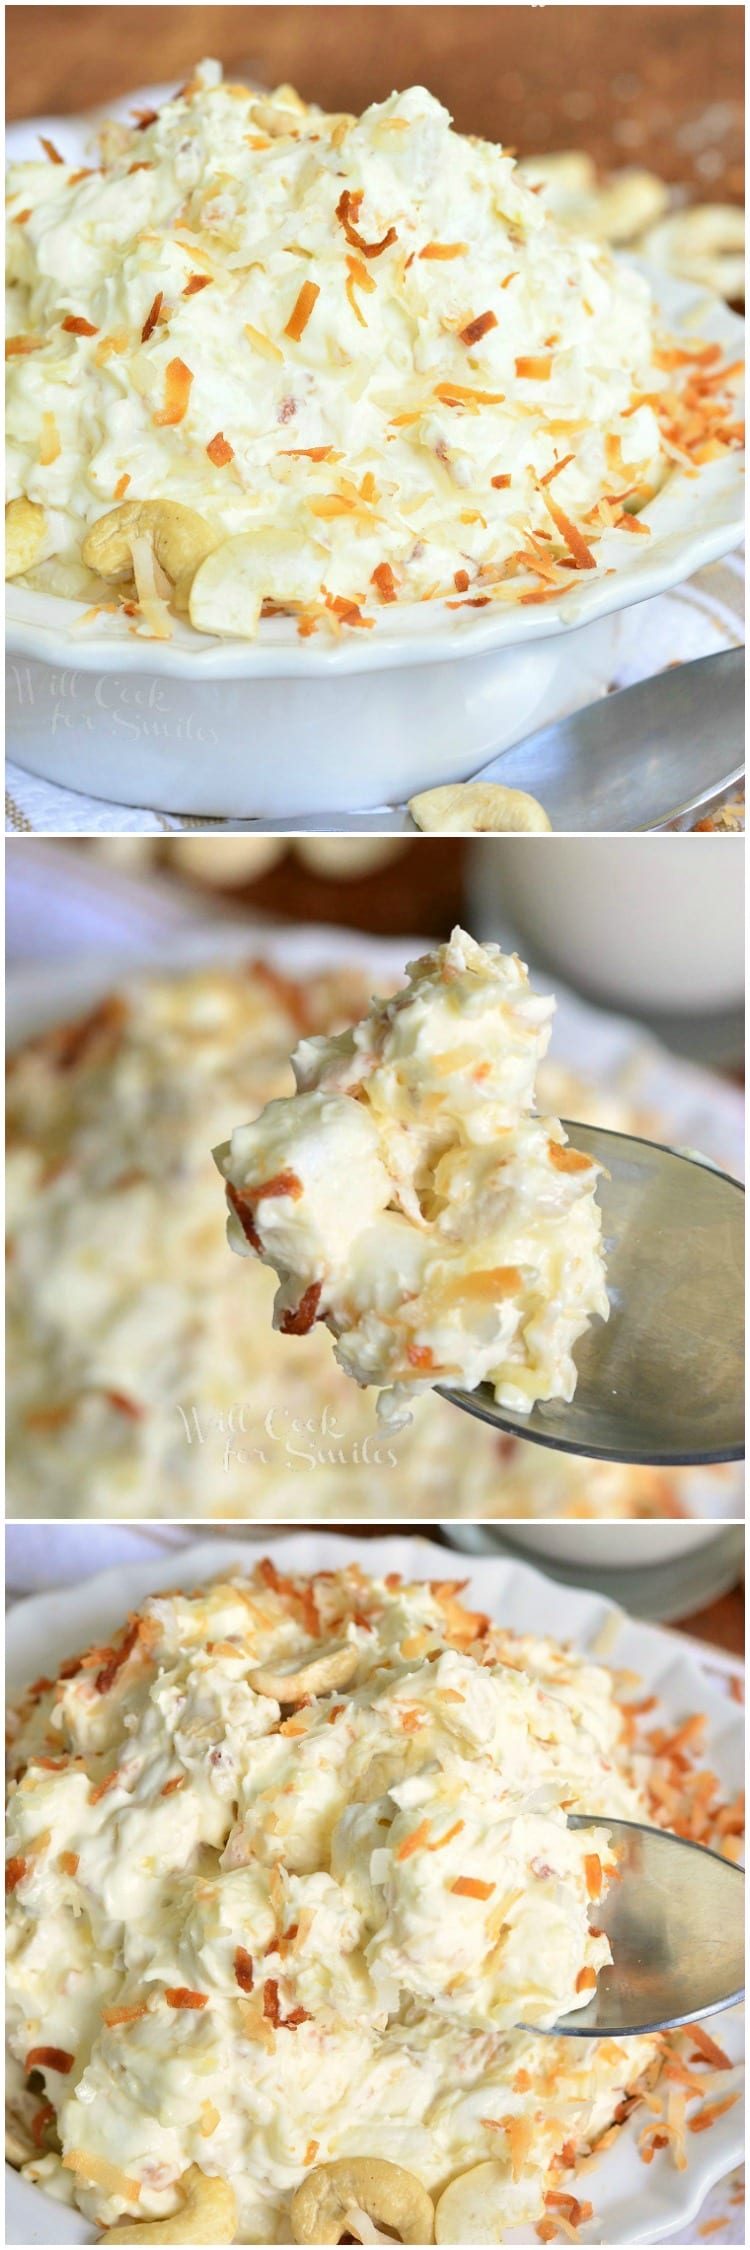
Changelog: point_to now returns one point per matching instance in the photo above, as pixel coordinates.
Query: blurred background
(652, 925)
(659, 87)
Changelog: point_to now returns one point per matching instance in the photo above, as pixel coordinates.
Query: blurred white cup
(648, 922)
(615, 1546)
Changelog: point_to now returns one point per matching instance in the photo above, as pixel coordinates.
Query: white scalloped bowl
(281, 726)
(633, 2203)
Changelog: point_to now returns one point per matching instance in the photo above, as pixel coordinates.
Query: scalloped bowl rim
(46, 627)
(645, 2204)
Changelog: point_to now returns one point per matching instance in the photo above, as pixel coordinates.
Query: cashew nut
(625, 204)
(326, 2203)
(268, 114)
(705, 244)
(19, 2146)
(180, 538)
(470, 808)
(25, 526)
(229, 589)
(474, 2205)
(615, 209)
(334, 1667)
(208, 2213)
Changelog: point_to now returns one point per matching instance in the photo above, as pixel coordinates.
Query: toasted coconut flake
(309, 453)
(444, 250)
(574, 539)
(534, 367)
(179, 384)
(75, 325)
(383, 578)
(50, 150)
(301, 311)
(555, 472)
(152, 317)
(220, 451)
(708, 2047)
(415, 1842)
(463, 394)
(97, 2171)
(49, 2058)
(299, 1321)
(261, 343)
(708, 2116)
(470, 1886)
(476, 329)
(181, 1996)
(347, 211)
(592, 1867)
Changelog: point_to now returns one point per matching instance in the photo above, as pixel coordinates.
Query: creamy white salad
(262, 357)
(408, 1196)
(291, 1882)
(144, 1377)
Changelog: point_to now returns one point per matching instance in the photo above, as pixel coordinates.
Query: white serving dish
(633, 2203)
(282, 726)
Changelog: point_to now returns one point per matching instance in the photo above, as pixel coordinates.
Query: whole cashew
(19, 2147)
(614, 209)
(705, 243)
(181, 541)
(335, 1667)
(332, 2194)
(471, 808)
(25, 526)
(208, 2213)
(475, 2205)
(232, 584)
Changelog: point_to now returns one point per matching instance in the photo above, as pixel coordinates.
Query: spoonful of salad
(409, 1195)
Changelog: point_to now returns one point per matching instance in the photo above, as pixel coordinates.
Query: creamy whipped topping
(407, 1195)
(254, 1934)
(359, 349)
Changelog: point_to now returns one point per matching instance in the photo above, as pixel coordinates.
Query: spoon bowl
(662, 1381)
(675, 1922)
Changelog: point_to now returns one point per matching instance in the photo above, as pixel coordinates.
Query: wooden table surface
(659, 86)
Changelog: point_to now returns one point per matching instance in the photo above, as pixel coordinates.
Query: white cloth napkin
(697, 619)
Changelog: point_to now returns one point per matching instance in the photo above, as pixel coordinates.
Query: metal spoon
(675, 1922)
(652, 756)
(662, 1381)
